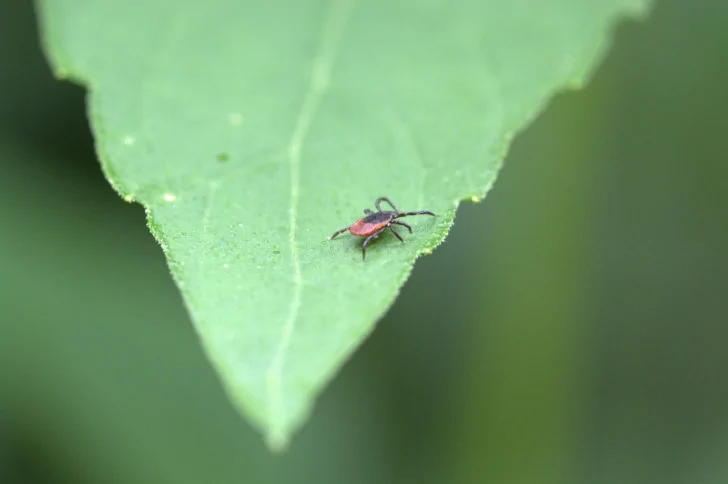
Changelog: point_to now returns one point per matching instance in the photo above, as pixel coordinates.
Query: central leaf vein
(331, 32)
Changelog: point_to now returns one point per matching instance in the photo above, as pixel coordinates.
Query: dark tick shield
(373, 224)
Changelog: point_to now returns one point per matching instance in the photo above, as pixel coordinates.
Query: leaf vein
(330, 37)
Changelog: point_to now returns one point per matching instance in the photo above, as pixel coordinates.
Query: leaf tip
(277, 441)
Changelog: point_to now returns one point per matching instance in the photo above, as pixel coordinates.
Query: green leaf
(251, 131)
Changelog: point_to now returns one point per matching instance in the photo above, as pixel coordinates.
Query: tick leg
(364, 245)
(419, 212)
(403, 224)
(384, 199)
(339, 232)
(367, 211)
(395, 233)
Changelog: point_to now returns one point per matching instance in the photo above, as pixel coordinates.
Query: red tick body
(371, 224)
(374, 223)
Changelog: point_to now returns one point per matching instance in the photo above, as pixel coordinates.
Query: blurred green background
(572, 329)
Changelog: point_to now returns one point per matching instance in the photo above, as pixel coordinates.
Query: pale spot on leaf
(235, 119)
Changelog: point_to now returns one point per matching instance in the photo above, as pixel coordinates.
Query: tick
(373, 224)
